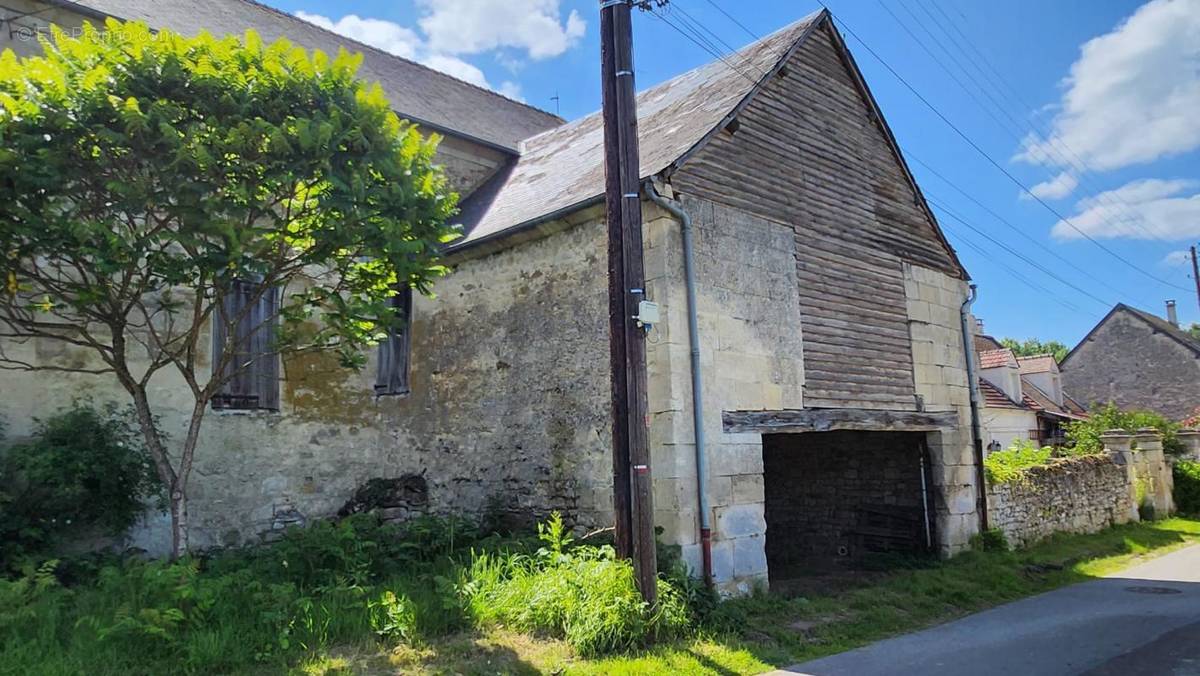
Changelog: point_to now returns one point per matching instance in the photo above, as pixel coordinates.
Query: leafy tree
(1085, 434)
(1194, 330)
(1032, 346)
(142, 175)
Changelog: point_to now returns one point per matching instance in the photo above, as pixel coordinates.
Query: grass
(767, 631)
(311, 606)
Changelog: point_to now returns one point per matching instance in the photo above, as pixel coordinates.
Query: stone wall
(751, 356)
(940, 371)
(1126, 361)
(509, 409)
(832, 498)
(1073, 495)
(1132, 480)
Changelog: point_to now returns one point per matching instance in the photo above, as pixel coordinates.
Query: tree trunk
(179, 521)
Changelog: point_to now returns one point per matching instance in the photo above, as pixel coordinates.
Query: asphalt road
(1143, 620)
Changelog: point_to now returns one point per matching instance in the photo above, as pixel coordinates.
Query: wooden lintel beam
(829, 419)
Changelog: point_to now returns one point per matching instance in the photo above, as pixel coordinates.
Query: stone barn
(1137, 361)
(835, 403)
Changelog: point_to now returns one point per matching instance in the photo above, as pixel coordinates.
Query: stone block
(748, 488)
(720, 491)
(750, 557)
(739, 521)
(722, 561)
(733, 459)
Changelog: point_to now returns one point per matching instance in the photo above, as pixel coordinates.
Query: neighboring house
(829, 304)
(1023, 397)
(1137, 361)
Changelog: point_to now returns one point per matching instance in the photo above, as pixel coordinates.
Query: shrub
(990, 540)
(582, 594)
(1085, 434)
(83, 470)
(1187, 486)
(1010, 465)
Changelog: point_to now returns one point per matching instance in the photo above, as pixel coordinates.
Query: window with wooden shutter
(392, 377)
(252, 371)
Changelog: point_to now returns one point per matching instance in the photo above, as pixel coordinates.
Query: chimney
(978, 326)
(1171, 315)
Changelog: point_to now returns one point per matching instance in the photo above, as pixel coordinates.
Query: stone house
(829, 311)
(1137, 361)
(1023, 397)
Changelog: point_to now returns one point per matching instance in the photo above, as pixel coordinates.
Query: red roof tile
(990, 359)
(1040, 363)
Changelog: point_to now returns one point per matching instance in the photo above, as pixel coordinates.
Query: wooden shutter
(254, 368)
(392, 376)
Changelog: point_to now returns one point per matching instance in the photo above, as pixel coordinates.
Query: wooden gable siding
(807, 152)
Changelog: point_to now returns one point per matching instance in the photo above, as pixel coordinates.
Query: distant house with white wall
(1023, 397)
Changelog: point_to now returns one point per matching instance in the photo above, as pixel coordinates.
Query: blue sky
(1111, 89)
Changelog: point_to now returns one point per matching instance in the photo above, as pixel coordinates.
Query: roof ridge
(293, 17)
(736, 54)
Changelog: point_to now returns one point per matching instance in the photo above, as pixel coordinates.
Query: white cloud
(512, 90)
(1056, 188)
(386, 35)
(1177, 259)
(1145, 209)
(454, 28)
(474, 26)
(1132, 96)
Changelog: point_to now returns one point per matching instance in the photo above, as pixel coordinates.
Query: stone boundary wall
(1130, 481)
(1073, 495)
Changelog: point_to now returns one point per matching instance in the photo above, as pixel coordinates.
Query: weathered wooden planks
(809, 152)
(829, 419)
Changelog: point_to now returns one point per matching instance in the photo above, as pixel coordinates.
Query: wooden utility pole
(1196, 273)
(632, 494)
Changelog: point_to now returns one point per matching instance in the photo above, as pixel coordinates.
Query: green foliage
(991, 540)
(1194, 330)
(270, 608)
(1032, 346)
(394, 617)
(1085, 434)
(173, 161)
(1010, 465)
(83, 472)
(584, 595)
(147, 173)
(1187, 486)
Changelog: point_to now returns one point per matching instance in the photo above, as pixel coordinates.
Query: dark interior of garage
(844, 500)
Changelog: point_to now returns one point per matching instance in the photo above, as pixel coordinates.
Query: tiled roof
(1041, 363)
(416, 92)
(990, 359)
(1042, 401)
(986, 342)
(563, 168)
(994, 397)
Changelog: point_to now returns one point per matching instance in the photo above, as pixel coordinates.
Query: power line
(1013, 272)
(1048, 140)
(998, 166)
(729, 16)
(707, 46)
(1019, 255)
(1010, 224)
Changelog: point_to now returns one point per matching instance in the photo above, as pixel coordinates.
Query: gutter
(973, 389)
(689, 273)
